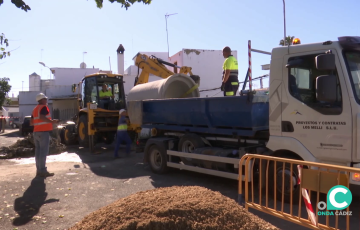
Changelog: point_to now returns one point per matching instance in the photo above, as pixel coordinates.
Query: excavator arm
(156, 66)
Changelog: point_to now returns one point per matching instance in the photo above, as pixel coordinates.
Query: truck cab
(314, 100)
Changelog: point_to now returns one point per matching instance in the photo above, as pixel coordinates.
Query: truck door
(325, 129)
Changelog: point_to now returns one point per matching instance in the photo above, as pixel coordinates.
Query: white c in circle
(332, 197)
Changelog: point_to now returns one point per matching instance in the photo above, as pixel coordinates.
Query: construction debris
(175, 208)
(26, 148)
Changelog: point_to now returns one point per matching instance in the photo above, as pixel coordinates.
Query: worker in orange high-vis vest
(43, 125)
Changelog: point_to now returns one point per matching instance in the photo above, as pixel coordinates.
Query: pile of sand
(173, 208)
(26, 147)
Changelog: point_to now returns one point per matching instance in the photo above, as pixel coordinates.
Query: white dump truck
(311, 113)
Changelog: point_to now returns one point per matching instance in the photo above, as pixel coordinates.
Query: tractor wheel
(69, 137)
(83, 132)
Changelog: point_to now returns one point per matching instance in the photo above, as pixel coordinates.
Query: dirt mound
(26, 147)
(175, 208)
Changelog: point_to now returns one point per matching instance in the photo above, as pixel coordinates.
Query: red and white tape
(307, 201)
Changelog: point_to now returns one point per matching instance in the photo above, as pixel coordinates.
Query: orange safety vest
(39, 125)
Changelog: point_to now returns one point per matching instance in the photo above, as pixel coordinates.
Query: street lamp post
(42, 63)
(167, 36)
(83, 55)
(284, 24)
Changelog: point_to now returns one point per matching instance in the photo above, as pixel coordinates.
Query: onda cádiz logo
(338, 198)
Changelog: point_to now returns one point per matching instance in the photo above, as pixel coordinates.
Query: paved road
(85, 184)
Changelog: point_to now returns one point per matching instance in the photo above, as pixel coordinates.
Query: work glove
(222, 86)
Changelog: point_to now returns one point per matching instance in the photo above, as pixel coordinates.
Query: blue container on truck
(232, 116)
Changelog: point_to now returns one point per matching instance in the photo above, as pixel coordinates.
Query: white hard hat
(40, 96)
(122, 110)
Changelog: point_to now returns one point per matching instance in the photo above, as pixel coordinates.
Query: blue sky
(64, 29)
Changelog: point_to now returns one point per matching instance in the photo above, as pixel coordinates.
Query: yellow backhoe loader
(97, 117)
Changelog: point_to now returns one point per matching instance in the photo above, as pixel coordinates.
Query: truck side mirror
(325, 61)
(326, 88)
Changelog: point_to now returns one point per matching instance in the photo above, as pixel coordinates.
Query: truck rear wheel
(158, 159)
(187, 144)
(83, 132)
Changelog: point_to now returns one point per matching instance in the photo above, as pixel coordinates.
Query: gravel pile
(26, 148)
(175, 208)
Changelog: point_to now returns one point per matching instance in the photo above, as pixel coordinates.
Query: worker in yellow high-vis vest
(122, 134)
(230, 81)
(105, 96)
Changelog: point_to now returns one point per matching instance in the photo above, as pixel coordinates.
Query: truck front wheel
(158, 159)
(289, 177)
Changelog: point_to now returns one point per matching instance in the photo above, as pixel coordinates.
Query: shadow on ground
(31, 201)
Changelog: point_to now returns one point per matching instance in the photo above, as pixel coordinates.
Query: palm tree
(289, 40)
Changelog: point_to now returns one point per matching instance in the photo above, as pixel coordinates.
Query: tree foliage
(4, 89)
(99, 3)
(289, 40)
(124, 3)
(3, 42)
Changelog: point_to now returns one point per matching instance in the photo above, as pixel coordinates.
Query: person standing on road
(230, 81)
(43, 125)
(2, 124)
(122, 134)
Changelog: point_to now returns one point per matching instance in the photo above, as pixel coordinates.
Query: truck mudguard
(277, 143)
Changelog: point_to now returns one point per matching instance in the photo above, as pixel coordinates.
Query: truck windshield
(353, 62)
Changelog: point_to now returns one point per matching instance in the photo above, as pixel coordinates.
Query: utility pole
(167, 36)
(22, 86)
(284, 24)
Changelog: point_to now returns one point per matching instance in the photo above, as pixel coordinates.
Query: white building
(10, 109)
(57, 88)
(205, 63)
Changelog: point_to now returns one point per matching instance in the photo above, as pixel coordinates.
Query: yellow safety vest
(105, 94)
(231, 64)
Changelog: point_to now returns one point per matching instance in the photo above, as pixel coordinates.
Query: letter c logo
(338, 198)
(332, 197)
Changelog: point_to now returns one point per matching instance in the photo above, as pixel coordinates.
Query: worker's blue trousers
(120, 137)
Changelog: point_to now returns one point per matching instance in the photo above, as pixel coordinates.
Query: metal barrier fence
(301, 179)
